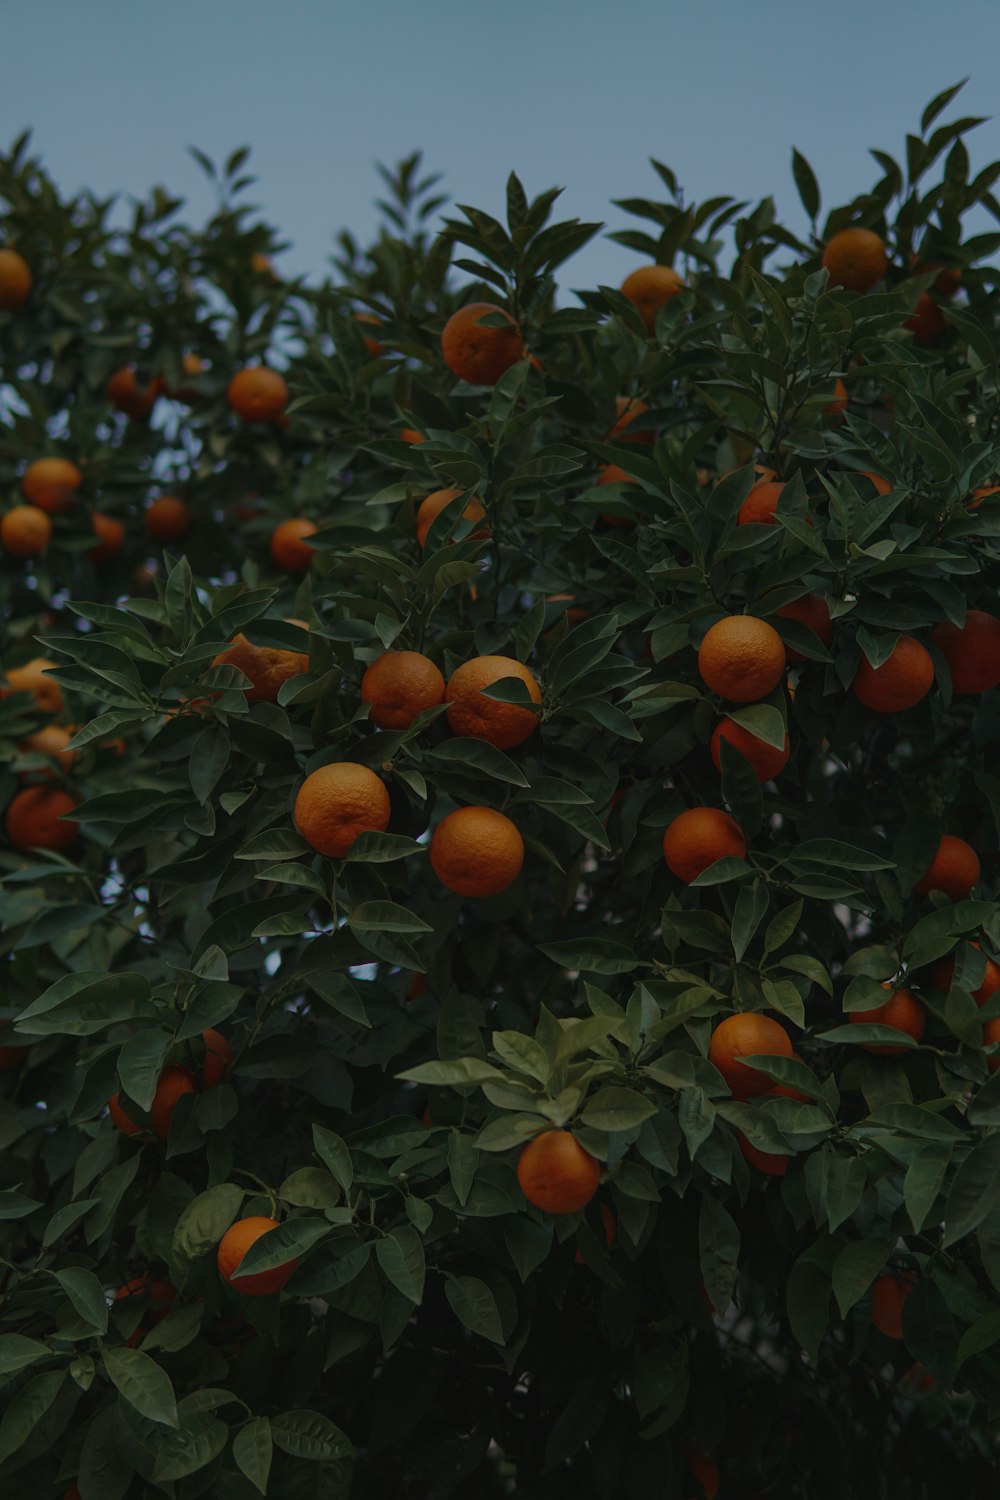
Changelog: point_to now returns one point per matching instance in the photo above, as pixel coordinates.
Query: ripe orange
(741, 658)
(902, 1011)
(979, 495)
(698, 837)
(432, 506)
(288, 546)
(233, 1247)
(476, 851)
(110, 537)
(218, 1062)
(954, 869)
(649, 288)
(706, 1471)
(900, 682)
(991, 1033)
(263, 265)
(627, 408)
(167, 518)
(948, 279)
(927, 321)
(418, 987)
(50, 483)
(15, 280)
(160, 1294)
(761, 504)
(257, 394)
(477, 353)
(889, 1294)
(124, 392)
(399, 686)
(747, 1034)
(767, 761)
(33, 678)
(268, 667)
(52, 741)
(838, 405)
(471, 713)
(610, 1231)
(121, 1120)
(855, 259)
(411, 435)
(25, 531)
(773, 1164)
(614, 474)
(337, 803)
(760, 470)
(556, 1174)
(173, 1084)
(375, 349)
(944, 972)
(882, 485)
(192, 365)
(972, 651)
(35, 819)
(573, 611)
(72, 1493)
(813, 612)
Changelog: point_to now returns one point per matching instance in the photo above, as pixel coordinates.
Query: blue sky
(578, 93)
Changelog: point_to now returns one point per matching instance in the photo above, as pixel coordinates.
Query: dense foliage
(705, 1322)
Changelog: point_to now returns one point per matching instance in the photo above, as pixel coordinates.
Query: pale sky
(575, 93)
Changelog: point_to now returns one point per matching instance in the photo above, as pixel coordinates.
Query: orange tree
(501, 991)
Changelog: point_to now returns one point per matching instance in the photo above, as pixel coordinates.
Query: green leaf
(614, 1109)
(18, 1352)
(833, 852)
(334, 1152)
(86, 1294)
(204, 1221)
(401, 1256)
(200, 1438)
(592, 955)
(26, 1410)
(806, 184)
(855, 1269)
(84, 1003)
(982, 1335)
(975, 1191)
(386, 916)
(477, 755)
(522, 1054)
(140, 1063)
(474, 1305)
(143, 1383)
(252, 1450)
(307, 1434)
(310, 1187)
(924, 1181)
(719, 1249)
(277, 1247)
(750, 910)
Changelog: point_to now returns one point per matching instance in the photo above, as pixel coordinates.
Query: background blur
(578, 93)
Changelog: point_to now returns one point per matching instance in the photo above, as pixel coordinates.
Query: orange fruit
(375, 349)
(110, 535)
(263, 265)
(477, 353)
(476, 851)
(167, 518)
(218, 1062)
(268, 667)
(257, 394)
(767, 761)
(773, 1164)
(25, 531)
(52, 741)
(855, 259)
(172, 1085)
(337, 803)
(698, 837)
(72, 1493)
(121, 1120)
(889, 1293)
(706, 1471)
(160, 1294)
(927, 322)
(33, 678)
(399, 686)
(761, 504)
(741, 658)
(902, 1011)
(649, 288)
(573, 611)
(50, 483)
(838, 405)
(944, 972)
(411, 435)
(610, 1230)
(471, 713)
(556, 1174)
(192, 366)
(418, 987)
(288, 545)
(747, 1034)
(233, 1247)
(948, 279)
(15, 280)
(813, 612)
(761, 470)
(882, 485)
(614, 474)
(991, 1033)
(954, 869)
(432, 506)
(979, 495)
(627, 408)
(900, 682)
(124, 392)
(972, 651)
(35, 819)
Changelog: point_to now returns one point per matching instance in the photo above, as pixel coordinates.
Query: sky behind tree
(575, 93)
